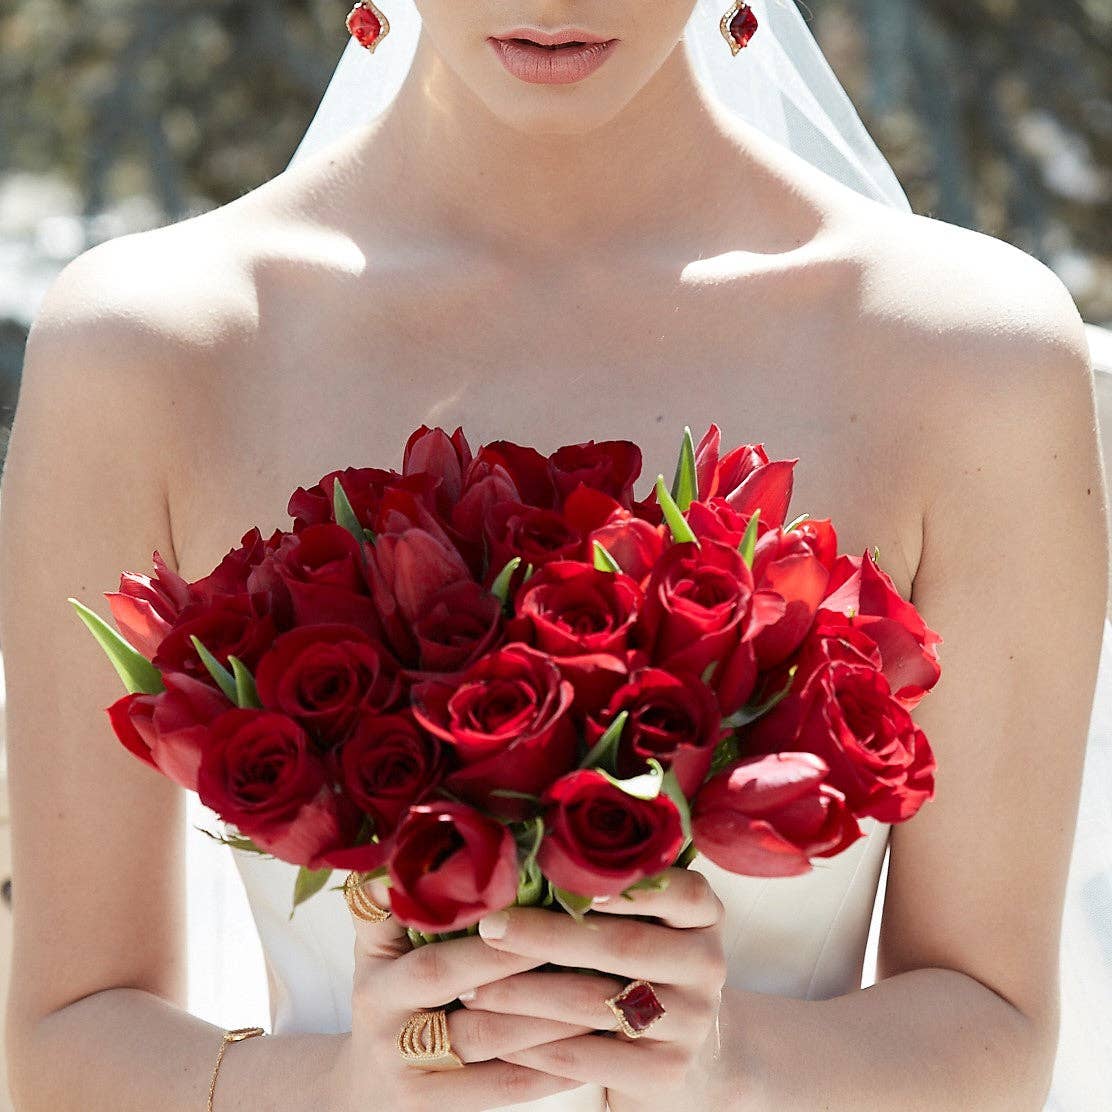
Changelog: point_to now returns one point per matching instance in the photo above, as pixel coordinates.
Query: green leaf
(725, 753)
(796, 522)
(604, 561)
(687, 855)
(681, 531)
(876, 554)
(308, 883)
(137, 672)
(603, 750)
(246, 695)
(573, 903)
(752, 711)
(748, 543)
(369, 534)
(530, 887)
(235, 841)
(510, 793)
(223, 677)
(501, 585)
(645, 786)
(344, 514)
(529, 569)
(685, 484)
(670, 786)
(708, 671)
(647, 884)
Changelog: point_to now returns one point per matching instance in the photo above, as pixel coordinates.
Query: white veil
(782, 84)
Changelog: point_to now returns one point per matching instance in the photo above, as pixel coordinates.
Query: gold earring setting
(367, 25)
(738, 25)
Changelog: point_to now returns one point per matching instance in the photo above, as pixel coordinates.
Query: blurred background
(120, 115)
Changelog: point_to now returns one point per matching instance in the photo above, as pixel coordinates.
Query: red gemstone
(363, 25)
(638, 1003)
(743, 25)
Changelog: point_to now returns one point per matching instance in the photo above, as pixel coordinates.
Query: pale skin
(552, 266)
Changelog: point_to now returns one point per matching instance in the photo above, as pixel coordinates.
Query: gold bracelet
(237, 1034)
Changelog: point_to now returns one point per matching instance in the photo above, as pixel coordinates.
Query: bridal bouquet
(497, 677)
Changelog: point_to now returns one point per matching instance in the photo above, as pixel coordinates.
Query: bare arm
(1013, 574)
(96, 1015)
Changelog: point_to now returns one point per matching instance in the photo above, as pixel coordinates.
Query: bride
(553, 245)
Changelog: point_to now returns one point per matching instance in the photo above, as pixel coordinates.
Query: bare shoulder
(974, 341)
(185, 286)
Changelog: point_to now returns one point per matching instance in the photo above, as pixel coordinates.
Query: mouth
(561, 59)
(552, 40)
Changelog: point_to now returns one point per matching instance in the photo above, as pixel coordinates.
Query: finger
(481, 1036)
(379, 940)
(629, 1066)
(687, 901)
(434, 975)
(579, 998)
(626, 947)
(483, 1085)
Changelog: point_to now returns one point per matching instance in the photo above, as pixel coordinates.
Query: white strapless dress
(803, 937)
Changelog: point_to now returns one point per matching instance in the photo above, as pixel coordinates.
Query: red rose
(538, 536)
(569, 607)
(316, 575)
(386, 765)
(451, 866)
(229, 625)
(169, 730)
(325, 676)
(610, 466)
(865, 596)
(744, 477)
(364, 488)
(673, 718)
(261, 772)
(599, 840)
(145, 607)
(485, 484)
(700, 605)
(527, 468)
(796, 565)
(406, 571)
(768, 815)
(506, 718)
(634, 544)
(442, 456)
(460, 623)
(878, 758)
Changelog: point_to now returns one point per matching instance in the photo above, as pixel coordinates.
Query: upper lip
(552, 38)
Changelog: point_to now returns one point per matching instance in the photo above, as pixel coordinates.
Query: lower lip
(541, 66)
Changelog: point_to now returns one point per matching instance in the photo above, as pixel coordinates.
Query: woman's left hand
(681, 955)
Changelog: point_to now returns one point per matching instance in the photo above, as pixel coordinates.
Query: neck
(670, 164)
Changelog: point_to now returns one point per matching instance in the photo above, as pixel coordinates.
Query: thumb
(378, 934)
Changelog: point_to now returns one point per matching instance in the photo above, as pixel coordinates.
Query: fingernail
(468, 996)
(600, 900)
(494, 926)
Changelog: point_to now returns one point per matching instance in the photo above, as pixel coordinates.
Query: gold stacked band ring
(423, 1041)
(361, 905)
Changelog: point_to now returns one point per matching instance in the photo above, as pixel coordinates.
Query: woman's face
(566, 90)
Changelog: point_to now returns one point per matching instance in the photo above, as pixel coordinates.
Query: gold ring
(423, 1041)
(637, 1008)
(361, 905)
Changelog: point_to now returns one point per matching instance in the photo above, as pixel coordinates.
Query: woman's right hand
(392, 981)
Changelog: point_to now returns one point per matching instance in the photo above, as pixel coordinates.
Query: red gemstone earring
(738, 25)
(368, 26)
